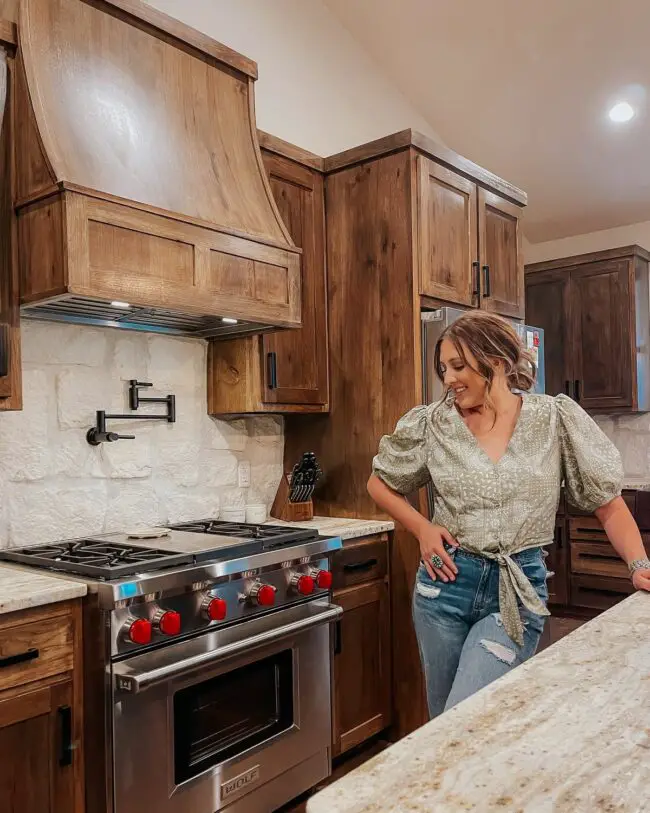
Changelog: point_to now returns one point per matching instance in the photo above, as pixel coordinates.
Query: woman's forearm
(622, 530)
(396, 506)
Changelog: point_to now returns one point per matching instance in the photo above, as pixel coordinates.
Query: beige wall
(638, 233)
(317, 87)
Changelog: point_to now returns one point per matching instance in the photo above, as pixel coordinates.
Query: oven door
(213, 722)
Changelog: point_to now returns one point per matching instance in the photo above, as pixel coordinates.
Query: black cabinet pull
(559, 538)
(65, 735)
(337, 638)
(486, 282)
(4, 350)
(576, 391)
(356, 566)
(567, 388)
(21, 657)
(476, 269)
(272, 370)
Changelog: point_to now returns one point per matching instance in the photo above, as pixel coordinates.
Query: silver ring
(436, 561)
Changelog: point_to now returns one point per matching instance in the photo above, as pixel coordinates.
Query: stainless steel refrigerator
(435, 322)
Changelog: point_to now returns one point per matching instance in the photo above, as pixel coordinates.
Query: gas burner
(271, 536)
(101, 560)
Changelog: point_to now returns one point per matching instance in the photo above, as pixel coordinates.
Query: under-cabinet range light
(227, 320)
(123, 305)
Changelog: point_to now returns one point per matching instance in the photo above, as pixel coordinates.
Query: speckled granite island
(567, 732)
(21, 589)
(338, 526)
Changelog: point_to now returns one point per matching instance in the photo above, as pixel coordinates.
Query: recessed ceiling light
(123, 305)
(621, 112)
(227, 320)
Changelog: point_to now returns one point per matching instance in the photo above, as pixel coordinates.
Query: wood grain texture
(238, 372)
(141, 13)
(432, 149)
(161, 126)
(590, 257)
(375, 375)
(447, 233)
(52, 638)
(271, 144)
(501, 254)
(362, 673)
(10, 385)
(8, 34)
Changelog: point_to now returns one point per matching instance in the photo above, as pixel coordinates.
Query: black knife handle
(487, 291)
(476, 269)
(65, 735)
(21, 657)
(272, 370)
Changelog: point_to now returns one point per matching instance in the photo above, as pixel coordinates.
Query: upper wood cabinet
(595, 313)
(10, 361)
(286, 371)
(469, 242)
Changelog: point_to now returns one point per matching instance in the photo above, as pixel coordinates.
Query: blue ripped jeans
(463, 645)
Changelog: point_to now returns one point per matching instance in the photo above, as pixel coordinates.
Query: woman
(497, 459)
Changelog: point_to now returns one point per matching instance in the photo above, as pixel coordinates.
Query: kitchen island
(567, 732)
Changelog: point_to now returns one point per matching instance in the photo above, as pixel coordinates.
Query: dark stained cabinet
(501, 258)
(594, 311)
(284, 371)
(557, 565)
(362, 660)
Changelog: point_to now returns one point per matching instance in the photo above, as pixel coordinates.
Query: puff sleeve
(591, 464)
(401, 462)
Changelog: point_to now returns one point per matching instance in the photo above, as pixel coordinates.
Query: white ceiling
(523, 88)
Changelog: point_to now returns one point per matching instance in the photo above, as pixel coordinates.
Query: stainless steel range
(207, 665)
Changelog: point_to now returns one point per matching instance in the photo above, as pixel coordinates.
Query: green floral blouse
(499, 509)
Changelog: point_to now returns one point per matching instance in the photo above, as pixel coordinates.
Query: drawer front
(594, 558)
(36, 650)
(597, 592)
(363, 560)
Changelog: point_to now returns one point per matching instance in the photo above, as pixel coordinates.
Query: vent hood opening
(139, 170)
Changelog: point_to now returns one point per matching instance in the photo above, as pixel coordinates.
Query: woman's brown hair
(490, 339)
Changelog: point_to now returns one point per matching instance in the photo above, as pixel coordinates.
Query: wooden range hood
(139, 177)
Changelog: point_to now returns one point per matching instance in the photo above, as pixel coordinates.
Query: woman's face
(467, 385)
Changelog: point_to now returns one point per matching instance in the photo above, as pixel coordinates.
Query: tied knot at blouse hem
(499, 509)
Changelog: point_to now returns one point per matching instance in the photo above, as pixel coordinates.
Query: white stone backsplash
(55, 486)
(631, 436)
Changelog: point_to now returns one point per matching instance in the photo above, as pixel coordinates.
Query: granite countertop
(21, 589)
(567, 732)
(339, 526)
(637, 484)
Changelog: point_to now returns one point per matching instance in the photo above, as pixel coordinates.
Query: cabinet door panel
(603, 327)
(557, 564)
(295, 362)
(502, 270)
(547, 307)
(362, 675)
(447, 233)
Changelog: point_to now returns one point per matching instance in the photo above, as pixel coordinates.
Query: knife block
(290, 511)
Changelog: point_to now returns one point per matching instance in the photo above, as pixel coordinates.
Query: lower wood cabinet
(41, 760)
(362, 646)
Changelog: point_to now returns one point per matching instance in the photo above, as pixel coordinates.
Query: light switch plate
(244, 474)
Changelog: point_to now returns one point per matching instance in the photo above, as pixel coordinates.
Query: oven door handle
(131, 681)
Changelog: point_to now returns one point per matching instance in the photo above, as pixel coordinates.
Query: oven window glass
(223, 717)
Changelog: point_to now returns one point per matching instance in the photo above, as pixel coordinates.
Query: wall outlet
(244, 474)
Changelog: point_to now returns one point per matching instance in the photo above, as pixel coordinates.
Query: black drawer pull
(65, 735)
(357, 566)
(21, 657)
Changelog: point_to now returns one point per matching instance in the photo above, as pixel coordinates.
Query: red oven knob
(167, 622)
(302, 584)
(323, 578)
(138, 631)
(214, 609)
(262, 594)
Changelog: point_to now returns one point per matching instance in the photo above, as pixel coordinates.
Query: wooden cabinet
(591, 308)
(285, 371)
(10, 361)
(362, 662)
(557, 564)
(469, 242)
(40, 711)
